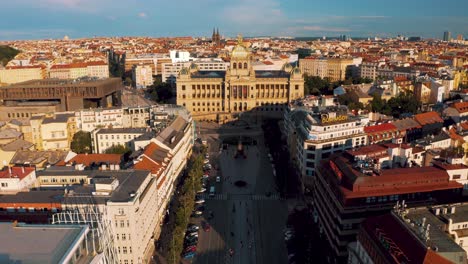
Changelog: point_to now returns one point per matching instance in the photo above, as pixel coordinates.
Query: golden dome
(240, 51)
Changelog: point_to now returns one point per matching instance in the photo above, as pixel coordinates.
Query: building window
(122, 223)
(183, 87)
(4, 184)
(124, 249)
(124, 237)
(456, 176)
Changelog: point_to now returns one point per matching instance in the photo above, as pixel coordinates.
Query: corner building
(219, 95)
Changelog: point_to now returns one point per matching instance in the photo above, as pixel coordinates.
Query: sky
(40, 19)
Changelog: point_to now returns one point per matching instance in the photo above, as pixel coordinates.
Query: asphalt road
(246, 219)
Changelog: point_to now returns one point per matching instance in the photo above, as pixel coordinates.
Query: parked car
(193, 228)
(191, 233)
(218, 178)
(191, 239)
(200, 208)
(189, 255)
(206, 161)
(205, 176)
(200, 201)
(195, 215)
(196, 212)
(207, 156)
(190, 249)
(202, 190)
(191, 243)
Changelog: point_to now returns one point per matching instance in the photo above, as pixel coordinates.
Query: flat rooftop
(31, 244)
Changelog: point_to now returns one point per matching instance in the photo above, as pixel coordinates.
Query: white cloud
(142, 15)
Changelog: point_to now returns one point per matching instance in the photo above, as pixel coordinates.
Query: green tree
(7, 53)
(81, 142)
(117, 149)
(128, 81)
(159, 91)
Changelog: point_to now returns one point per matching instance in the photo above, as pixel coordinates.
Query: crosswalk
(243, 197)
(219, 196)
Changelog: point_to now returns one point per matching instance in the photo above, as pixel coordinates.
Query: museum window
(297, 87)
(183, 87)
(234, 65)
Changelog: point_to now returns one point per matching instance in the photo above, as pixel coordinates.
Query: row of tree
(185, 203)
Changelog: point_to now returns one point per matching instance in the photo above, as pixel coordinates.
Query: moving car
(212, 191)
(218, 178)
(206, 227)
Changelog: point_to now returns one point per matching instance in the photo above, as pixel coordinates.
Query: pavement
(249, 220)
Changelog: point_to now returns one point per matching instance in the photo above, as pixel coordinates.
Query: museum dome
(240, 51)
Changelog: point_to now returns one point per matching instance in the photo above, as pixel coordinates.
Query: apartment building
(115, 117)
(315, 134)
(17, 74)
(333, 68)
(348, 190)
(104, 138)
(16, 179)
(142, 76)
(53, 131)
(410, 235)
(98, 69)
(369, 69)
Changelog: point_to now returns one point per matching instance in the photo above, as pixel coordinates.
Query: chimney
(9, 169)
(452, 210)
(22, 169)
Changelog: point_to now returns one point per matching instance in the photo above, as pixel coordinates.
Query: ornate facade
(219, 95)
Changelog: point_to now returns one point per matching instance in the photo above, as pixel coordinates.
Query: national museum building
(223, 95)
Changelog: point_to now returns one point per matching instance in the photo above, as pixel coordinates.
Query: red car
(190, 249)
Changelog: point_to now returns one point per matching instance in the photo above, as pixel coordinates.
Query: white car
(197, 212)
(206, 161)
(205, 176)
(200, 201)
(218, 178)
(207, 156)
(194, 233)
(202, 190)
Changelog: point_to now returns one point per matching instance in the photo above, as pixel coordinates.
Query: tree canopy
(81, 142)
(315, 85)
(395, 106)
(7, 53)
(117, 149)
(159, 91)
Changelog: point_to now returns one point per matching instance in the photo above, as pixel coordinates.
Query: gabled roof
(428, 118)
(89, 159)
(16, 172)
(154, 158)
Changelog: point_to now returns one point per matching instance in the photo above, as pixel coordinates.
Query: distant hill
(6, 54)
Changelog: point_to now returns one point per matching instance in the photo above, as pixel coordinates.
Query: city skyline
(85, 18)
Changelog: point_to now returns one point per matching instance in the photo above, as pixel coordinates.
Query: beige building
(142, 76)
(98, 69)
(216, 95)
(53, 131)
(17, 74)
(333, 68)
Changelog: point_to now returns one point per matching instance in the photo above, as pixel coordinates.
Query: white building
(115, 117)
(16, 179)
(104, 138)
(171, 70)
(315, 135)
(179, 56)
(142, 76)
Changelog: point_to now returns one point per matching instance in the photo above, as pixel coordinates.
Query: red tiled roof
(88, 159)
(461, 107)
(464, 125)
(380, 128)
(16, 172)
(428, 118)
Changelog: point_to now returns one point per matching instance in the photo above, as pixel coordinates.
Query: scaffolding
(82, 209)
